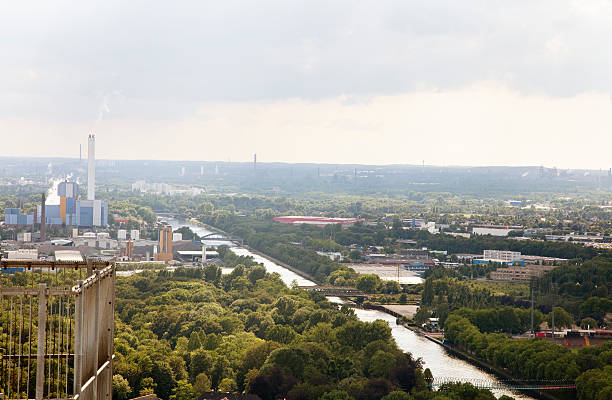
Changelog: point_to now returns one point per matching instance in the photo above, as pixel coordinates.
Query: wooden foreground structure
(56, 329)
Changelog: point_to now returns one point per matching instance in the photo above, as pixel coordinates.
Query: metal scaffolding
(56, 329)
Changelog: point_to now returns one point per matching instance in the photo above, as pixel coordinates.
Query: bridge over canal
(538, 385)
(336, 291)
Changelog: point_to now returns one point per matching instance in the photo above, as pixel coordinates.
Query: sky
(445, 82)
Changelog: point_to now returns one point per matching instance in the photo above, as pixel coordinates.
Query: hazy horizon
(461, 84)
(264, 162)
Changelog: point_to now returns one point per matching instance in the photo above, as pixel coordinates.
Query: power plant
(71, 211)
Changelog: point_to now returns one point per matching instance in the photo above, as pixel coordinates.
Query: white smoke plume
(52, 198)
(104, 107)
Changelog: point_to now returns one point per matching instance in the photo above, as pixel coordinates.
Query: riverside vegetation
(180, 334)
(478, 322)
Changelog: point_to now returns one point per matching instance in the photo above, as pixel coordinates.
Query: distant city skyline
(452, 83)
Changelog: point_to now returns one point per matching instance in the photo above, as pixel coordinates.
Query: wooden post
(78, 340)
(40, 349)
(96, 336)
(111, 344)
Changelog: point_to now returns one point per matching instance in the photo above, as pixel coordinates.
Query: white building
(502, 255)
(24, 237)
(490, 231)
(121, 234)
(431, 228)
(163, 188)
(135, 234)
(68, 255)
(177, 236)
(22, 254)
(333, 255)
(100, 241)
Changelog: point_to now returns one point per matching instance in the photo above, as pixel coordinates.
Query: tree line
(537, 359)
(181, 334)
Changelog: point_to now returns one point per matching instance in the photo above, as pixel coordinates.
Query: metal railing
(56, 329)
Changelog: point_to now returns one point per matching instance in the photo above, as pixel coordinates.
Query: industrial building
(502, 255)
(497, 261)
(71, 211)
(165, 245)
(491, 231)
(494, 230)
(520, 273)
(13, 216)
(101, 240)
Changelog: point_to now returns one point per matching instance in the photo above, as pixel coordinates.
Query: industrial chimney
(42, 218)
(91, 167)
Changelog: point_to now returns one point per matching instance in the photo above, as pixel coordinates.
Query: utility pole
(531, 290)
(553, 309)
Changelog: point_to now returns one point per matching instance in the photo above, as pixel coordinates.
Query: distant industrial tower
(42, 218)
(91, 167)
(255, 162)
(165, 244)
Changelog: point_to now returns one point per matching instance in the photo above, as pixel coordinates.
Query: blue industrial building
(70, 212)
(13, 216)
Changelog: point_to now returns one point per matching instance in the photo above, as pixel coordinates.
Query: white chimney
(91, 167)
(203, 254)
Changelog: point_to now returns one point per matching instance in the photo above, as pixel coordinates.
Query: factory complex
(71, 211)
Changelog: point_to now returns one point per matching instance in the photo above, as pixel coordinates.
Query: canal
(435, 357)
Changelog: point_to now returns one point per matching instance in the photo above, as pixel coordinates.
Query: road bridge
(214, 236)
(337, 291)
(507, 385)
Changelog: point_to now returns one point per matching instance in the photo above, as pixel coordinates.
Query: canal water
(435, 357)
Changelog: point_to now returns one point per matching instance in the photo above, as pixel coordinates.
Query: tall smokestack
(254, 162)
(91, 167)
(42, 218)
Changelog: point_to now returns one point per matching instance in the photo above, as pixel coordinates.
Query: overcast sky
(520, 82)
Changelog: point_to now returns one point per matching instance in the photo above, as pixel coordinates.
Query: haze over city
(450, 83)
